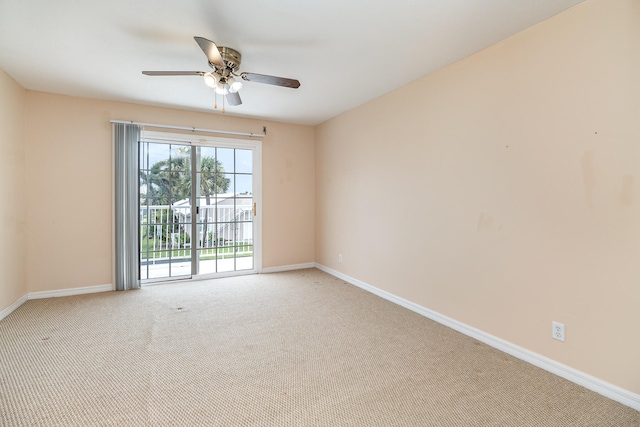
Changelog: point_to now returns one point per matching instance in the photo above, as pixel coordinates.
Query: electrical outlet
(557, 331)
(339, 257)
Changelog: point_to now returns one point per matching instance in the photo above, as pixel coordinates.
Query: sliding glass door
(224, 207)
(198, 207)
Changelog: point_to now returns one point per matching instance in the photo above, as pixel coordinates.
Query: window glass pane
(226, 236)
(207, 235)
(225, 158)
(226, 253)
(158, 153)
(244, 233)
(182, 214)
(225, 183)
(180, 237)
(206, 214)
(180, 158)
(226, 264)
(158, 271)
(229, 180)
(244, 161)
(208, 152)
(157, 242)
(211, 180)
(180, 265)
(244, 185)
(244, 262)
(180, 187)
(158, 186)
(207, 265)
(244, 210)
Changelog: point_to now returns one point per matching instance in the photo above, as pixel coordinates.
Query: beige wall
(288, 195)
(503, 191)
(69, 170)
(12, 190)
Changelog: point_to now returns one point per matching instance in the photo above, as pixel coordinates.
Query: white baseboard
(54, 294)
(70, 291)
(17, 303)
(611, 391)
(282, 268)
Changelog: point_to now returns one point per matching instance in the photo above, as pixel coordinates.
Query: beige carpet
(289, 349)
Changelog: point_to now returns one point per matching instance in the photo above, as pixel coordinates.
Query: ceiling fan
(225, 63)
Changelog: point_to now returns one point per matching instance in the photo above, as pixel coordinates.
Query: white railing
(224, 231)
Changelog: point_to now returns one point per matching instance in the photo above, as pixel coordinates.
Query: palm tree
(212, 180)
(169, 180)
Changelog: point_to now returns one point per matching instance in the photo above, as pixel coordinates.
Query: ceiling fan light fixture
(234, 85)
(211, 80)
(222, 89)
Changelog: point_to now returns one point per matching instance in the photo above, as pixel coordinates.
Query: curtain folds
(126, 137)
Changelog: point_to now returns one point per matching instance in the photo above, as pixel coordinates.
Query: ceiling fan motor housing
(230, 57)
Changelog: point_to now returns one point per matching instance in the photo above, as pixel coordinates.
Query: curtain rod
(193, 129)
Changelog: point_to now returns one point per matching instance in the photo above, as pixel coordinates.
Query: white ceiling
(344, 52)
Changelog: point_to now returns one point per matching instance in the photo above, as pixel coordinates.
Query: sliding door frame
(219, 142)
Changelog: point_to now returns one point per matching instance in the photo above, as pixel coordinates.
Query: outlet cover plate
(557, 331)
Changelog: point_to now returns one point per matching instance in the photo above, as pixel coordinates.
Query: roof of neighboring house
(225, 199)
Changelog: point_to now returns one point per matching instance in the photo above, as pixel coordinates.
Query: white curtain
(126, 137)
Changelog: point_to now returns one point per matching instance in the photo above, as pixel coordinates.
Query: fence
(223, 231)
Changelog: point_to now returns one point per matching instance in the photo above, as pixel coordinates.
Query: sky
(236, 163)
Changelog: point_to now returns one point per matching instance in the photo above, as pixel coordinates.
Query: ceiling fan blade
(233, 98)
(173, 73)
(211, 50)
(271, 80)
